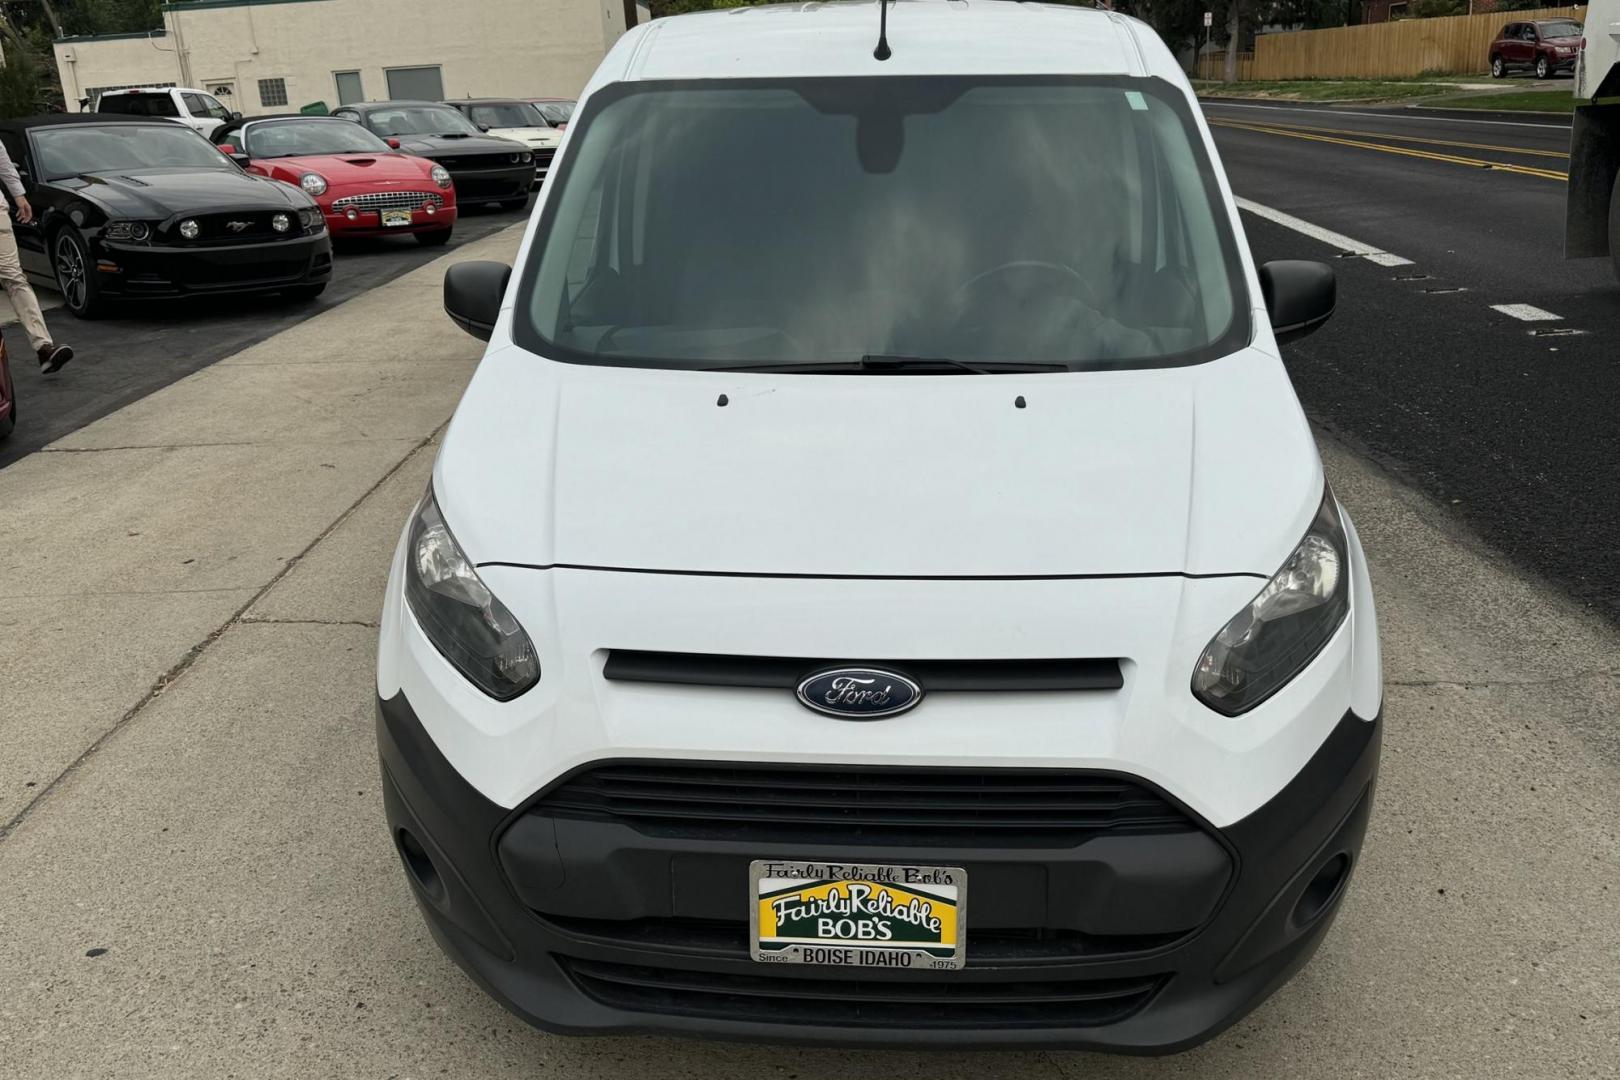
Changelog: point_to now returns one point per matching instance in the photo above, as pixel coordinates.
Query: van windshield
(1072, 223)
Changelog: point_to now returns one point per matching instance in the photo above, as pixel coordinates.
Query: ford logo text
(859, 693)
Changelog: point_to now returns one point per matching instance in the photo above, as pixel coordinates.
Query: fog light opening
(419, 866)
(1323, 890)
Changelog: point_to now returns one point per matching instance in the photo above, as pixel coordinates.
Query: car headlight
(1285, 626)
(441, 176)
(314, 183)
(458, 613)
(127, 230)
(311, 217)
(525, 158)
(281, 223)
(190, 229)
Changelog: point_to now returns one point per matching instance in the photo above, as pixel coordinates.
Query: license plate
(858, 915)
(391, 218)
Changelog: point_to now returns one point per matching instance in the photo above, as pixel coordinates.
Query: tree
(1429, 9)
(27, 85)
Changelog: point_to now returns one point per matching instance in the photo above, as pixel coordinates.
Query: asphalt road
(143, 348)
(1510, 423)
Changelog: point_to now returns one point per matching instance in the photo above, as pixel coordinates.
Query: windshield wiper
(877, 363)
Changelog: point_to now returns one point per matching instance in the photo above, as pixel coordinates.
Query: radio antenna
(882, 52)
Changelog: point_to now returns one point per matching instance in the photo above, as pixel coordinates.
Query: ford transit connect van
(879, 586)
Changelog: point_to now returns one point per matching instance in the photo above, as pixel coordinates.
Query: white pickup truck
(196, 109)
(1593, 220)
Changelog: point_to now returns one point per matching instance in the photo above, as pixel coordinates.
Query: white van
(879, 586)
(196, 109)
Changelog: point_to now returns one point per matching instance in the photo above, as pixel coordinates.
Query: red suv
(1544, 47)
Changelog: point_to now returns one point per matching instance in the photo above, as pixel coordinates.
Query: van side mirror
(1300, 296)
(235, 116)
(472, 295)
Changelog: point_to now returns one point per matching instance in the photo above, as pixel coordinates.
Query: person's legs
(25, 303)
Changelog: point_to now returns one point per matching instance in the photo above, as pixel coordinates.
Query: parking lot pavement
(199, 883)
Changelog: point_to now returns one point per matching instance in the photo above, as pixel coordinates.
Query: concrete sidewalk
(196, 881)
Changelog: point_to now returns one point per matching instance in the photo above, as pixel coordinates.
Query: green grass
(1324, 90)
(1561, 100)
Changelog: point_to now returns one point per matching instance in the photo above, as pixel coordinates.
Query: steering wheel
(1064, 282)
(1019, 265)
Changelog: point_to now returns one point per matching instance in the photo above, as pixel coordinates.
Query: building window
(349, 87)
(415, 84)
(272, 92)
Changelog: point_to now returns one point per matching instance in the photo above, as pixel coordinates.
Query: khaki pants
(17, 287)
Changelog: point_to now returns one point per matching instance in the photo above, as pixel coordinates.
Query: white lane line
(1526, 313)
(1327, 236)
(1420, 117)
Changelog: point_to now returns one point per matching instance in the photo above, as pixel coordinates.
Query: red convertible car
(365, 186)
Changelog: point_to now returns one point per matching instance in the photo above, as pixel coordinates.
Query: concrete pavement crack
(1485, 684)
(201, 445)
(173, 675)
(308, 622)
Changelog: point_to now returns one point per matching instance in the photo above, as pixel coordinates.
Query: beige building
(261, 56)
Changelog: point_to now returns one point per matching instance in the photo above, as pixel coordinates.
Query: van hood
(1200, 470)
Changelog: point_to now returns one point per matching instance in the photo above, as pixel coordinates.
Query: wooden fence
(1454, 45)
(1212, 65)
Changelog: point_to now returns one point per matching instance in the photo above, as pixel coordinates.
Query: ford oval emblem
(859, 693)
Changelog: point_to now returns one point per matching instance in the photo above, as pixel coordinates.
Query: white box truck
(1593, 220)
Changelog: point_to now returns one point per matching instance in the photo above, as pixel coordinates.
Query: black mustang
(138, 207)
(485, 169)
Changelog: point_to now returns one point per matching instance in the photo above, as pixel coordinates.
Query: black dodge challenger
(485, 169)
(145, 207)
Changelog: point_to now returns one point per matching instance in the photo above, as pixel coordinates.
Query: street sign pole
(1209, 21)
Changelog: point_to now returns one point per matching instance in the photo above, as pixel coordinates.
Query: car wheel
(436, 238)
(81, 292)
(1498, 69)
(514, 204)
(1614, 226)
(1543, 68)
(304, 292)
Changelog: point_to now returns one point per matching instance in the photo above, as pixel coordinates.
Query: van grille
(854, 804)
(935, 1002)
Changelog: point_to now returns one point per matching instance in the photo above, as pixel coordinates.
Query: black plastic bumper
(267, 266)
(493, 185)
(1281, 876)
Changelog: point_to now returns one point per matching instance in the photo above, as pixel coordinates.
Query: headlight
(314, 183)
(311, 218)
(281, 223)
(525, 158)
(458, 613)
(1284, 627)
(190, 229)
(127, 230)
(441, 176)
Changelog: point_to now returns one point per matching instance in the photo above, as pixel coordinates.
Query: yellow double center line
(1323, 135)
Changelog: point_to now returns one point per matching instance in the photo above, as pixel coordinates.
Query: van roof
(928, 37)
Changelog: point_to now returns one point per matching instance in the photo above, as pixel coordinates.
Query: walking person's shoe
(52, 357)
